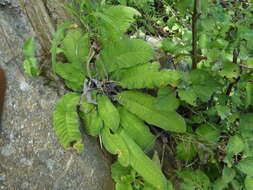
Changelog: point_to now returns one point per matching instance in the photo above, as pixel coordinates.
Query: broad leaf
(246, 166)
(194, 180)
(143, 76)
(223, 111)
(246, 124)
(183, 5)
(58, 36)
(230, 70)
(123, 186)
(249, 93)
(186, 151)
(93, 122)
(65, 122)
(188, 96)
(125, 53)
(108, 112)
(116, 20)
(203, 84)
(144, 106)
(235, 145)
(172, 47)
(228, 174)
(144, 165)
(121, 174)
(219, 184)
(166, 100)
(76, 46)
(72, 73)
(248, 182)
(208, 133)
(115, 144)
(136, 129)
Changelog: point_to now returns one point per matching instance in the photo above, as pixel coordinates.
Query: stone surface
(30, 157)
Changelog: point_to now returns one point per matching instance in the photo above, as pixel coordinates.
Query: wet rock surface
(30, 156)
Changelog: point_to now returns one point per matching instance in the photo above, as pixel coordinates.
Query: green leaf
(228, 174)
(246, 166)
(76, 46)
(203, 41)
(196, 179)
(223, 111)
(121, 174)
(208, 133)
(58, 36)
(144, 106)
(249, 62)
(72, 73)
(115, 144)
(236, 184)
(248, 182)
(248, 144)
(123, 186)
(147, 187)
(29, 48)
(246, 124)
(136, 129)
(31, 67)
(185, 151)
(76, 86)
(125, 53)
(65, 122)
(172, 47)
(30, 64)
(118, 20)
(93, 122)
(188, 96)
(122, 2)
(219, 184)
(166, 100)
(249, 90)
(108, 112)
(230, 70)
(143, 76)
(144, 165)
(203, 84)
(183, 5)
(235, 145)
(156, 159)
(173, 77)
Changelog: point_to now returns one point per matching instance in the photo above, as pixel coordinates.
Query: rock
(30, 156)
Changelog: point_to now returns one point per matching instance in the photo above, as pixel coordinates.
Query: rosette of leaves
(109, 73)
(106, 96)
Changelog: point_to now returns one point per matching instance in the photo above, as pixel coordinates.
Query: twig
(43, 55)
(245, 66)
(90, 56)
(195, 16)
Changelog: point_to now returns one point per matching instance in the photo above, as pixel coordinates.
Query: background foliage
(166, 85)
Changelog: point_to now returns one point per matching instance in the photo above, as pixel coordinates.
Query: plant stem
(195, 16)
(90, 56)
(231, 85)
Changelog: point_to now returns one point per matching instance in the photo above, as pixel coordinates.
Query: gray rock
(30, 156)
